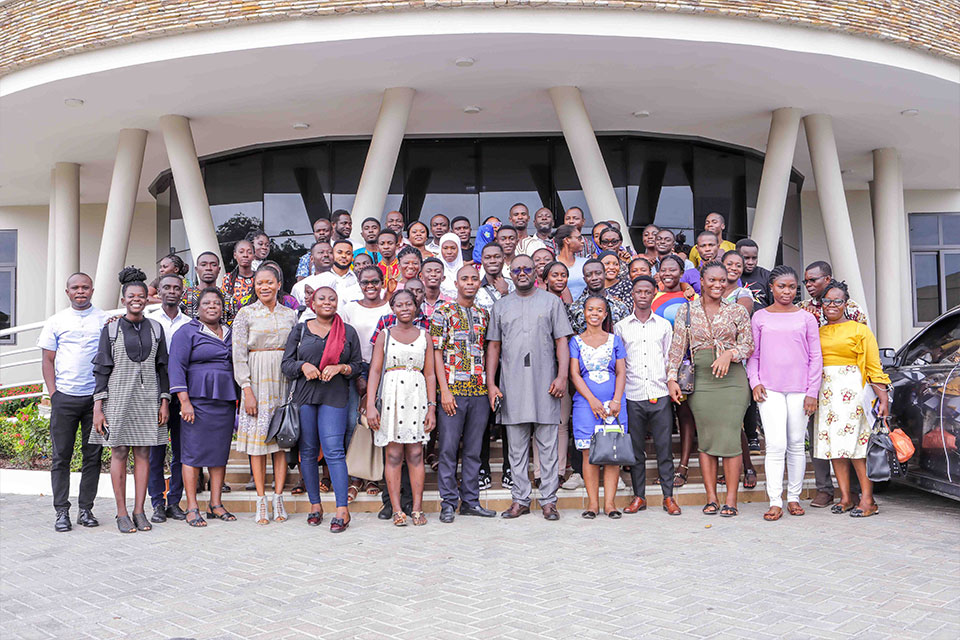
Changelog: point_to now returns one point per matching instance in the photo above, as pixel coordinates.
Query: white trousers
(784, 428)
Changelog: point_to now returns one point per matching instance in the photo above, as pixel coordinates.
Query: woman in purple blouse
(784, 373)
(201, 374)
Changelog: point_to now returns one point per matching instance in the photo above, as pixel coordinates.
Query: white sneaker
(575, 481)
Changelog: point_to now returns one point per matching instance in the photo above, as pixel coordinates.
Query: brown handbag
(686, 372)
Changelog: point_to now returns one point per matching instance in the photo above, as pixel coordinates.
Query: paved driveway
(648, 575)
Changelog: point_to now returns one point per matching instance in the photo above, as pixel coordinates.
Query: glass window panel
(234, 221)
(926, 283)
(286, 252)
(924, 230)
(513, 171)
(178, 236)
(719, 185)
(951, 278)
(8, 247)
(297, 186)
(659, 178)
(7, 287)
(440, 176)
(950, 228)
(233, 180)
(937, 345)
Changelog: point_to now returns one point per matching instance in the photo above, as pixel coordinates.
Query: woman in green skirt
(719, 337)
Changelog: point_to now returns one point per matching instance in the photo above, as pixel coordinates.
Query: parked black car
(925, 373)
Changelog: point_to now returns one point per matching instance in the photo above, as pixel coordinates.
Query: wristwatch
(431, 404)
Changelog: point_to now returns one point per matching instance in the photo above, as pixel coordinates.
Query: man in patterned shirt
(593, 277)
(322, 230)
(459, 332)
(208, 270)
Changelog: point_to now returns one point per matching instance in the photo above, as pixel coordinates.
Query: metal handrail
(24, 328)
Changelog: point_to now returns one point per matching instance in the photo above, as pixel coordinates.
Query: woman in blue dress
(598, 372)
(201, 374)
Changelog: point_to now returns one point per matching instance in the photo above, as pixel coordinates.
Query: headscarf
(449, 285)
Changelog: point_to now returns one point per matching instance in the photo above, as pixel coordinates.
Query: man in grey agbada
(529, 331)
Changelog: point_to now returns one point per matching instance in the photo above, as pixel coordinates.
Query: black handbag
(882, 461)
(612, 447)
(686, 371)
(285, 421)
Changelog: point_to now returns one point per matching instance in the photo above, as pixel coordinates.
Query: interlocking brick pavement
(649, 575)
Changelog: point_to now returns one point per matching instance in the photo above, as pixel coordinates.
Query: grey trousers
(821, 468)
(545, 440)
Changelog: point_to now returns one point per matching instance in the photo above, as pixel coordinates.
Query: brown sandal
(399, 519)
(794, 509)
(325, 485)
(773, 514)
(419, 518)
(372, 488)
(680, 479)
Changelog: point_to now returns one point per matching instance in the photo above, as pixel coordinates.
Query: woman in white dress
(402, 375)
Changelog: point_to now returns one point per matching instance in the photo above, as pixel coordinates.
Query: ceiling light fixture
(641, 114)
(910, 112)
(464, 62)
(471, 110)
(73, 102)
(300, 126)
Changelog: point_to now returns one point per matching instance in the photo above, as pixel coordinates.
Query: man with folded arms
(646, 337)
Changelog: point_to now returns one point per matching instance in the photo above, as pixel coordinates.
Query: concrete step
(691, 494)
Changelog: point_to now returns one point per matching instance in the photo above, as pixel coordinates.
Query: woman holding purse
(851, 362)
(599, 374)
(321, 356)
(720, 340)
(402, 375)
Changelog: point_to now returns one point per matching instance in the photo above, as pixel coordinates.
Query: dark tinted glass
(440, 176)
(296, 189)
(926, 282)
(513, 171)
(8, 247)
(924, 230)
(950, 228)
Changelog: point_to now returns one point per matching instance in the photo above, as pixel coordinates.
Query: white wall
(31, 225)
(858, 203)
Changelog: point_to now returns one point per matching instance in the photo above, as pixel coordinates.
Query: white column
(67, 187)
(587, 159)
(194, 206)
(774, 182)
(833, 204)
(52, 286)
(119, 219)
(887, 222)
(382, 156)
(906, 279)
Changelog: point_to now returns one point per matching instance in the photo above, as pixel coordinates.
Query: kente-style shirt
(459, 334)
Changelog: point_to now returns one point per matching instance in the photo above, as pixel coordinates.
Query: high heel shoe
(262, 510)
(279, 511)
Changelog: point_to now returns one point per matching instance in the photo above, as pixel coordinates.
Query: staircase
(692, 493)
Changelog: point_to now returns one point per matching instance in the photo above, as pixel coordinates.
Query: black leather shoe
(63, 521)
(159, 515)
(174, 511)
(446, 514)
(467, 510)
(386, 512)
(86, 518)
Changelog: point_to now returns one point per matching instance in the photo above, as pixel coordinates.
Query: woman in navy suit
(201, 374)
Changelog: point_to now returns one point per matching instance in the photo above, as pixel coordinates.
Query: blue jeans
(323, 426)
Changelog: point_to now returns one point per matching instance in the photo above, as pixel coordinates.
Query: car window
(939, 344)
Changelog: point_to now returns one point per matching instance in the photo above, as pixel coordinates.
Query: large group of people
(440, 338)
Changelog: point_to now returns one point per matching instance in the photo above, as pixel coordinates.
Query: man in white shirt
(69, 342)
(520, 218)
(339, 277)
(170, 289)
(646, 337)
(439, 225)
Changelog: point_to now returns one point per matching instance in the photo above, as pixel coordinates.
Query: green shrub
(25, 441)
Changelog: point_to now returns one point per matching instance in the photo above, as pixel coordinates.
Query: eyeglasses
(367, 283)
(524, 270)
(833, 302)
(811, 280)
(610, 243)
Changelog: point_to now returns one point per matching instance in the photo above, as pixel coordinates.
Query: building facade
(825, 130)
